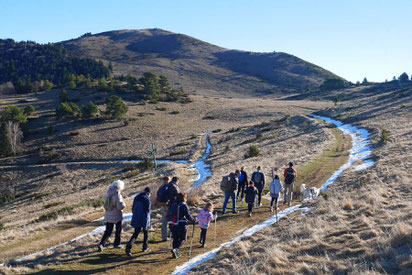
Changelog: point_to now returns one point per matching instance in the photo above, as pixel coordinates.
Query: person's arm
(246, 178)
(263, 180)
(285, 173)
(296, 173)
(186, 213)
(120, 202)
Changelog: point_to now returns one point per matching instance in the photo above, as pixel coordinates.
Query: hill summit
(198, 65)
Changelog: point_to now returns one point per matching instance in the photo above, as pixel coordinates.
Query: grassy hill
(197, 65)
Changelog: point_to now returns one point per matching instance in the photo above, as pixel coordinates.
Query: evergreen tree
(88, 83)
(150, 83)
(15, 114)
(5, 147)
(64, 97)
(365, 80)
(115, 107)
(164, 83)
(404, 77)
(89, 111)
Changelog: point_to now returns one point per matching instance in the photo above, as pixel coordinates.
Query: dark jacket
(259, 185)
(179, 206)
(251, 193)
(173, 191)
(141, 211)
(243, 178)
(230, 185)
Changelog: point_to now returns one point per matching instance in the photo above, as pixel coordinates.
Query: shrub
(227, 149)
(174, 112)
(50, 205)
(253, 152)
(384, 136)
(146, 164)
(89, 111)
(1, 226)
(258, 136)
(74, 133)
(63, 96)
(95, 204)
(29, 110)
(115, 107)
(6, 197)
(55, 214)
(161, 109)
(180, 152)
(67, 109)
(332, 84)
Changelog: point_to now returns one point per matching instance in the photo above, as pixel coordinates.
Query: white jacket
(275, 187)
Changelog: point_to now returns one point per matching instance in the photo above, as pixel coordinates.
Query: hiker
(113, 205)
(178, 216)
(205, 216)
(229, 186)
(290, 175)
(140, 220)
(258, 179)
(250, 197)
(275, 188)
(242, 180)
(173, 189)
(161, 200)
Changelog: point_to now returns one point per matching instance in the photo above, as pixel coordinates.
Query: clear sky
(354, 39)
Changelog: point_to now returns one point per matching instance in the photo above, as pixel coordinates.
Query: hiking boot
(118, 247)
(175, 252)
(146, 249)
(260, 204)
(203, 245)
(100, 248)
(271, 209)
(250, 214)
(128, 253)
(235, 212)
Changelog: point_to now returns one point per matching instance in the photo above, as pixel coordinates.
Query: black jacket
(179, 206)
(173, 191)
(251, 193)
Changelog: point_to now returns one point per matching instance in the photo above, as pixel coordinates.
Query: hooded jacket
(113, 204)
(275, 188)
(251, 192)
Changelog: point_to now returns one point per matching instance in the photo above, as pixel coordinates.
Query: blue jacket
(141, 211)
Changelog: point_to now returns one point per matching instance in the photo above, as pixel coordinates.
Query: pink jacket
(205, 217)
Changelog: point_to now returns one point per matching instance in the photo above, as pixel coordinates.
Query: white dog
(311, 192)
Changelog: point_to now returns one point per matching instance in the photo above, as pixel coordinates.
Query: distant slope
(197, 65)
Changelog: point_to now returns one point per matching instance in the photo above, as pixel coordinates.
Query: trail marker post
(154, 156)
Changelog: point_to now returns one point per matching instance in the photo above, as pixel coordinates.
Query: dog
(310, 192)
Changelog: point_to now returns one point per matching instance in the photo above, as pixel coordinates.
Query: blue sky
(354, 39)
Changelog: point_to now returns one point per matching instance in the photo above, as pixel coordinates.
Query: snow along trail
(361, 151)
(200, 166)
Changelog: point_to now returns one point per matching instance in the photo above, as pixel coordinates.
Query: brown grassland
(361, 225)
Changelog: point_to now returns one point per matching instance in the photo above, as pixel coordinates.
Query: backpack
(163, 193)
(257, 177)
(225, 183)
(290, 176)
(173, 214)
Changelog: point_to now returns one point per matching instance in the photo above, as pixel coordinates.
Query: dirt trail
(159, 260)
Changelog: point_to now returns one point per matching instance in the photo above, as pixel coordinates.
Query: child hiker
(251, 193)
(204, 217)
(275, 188)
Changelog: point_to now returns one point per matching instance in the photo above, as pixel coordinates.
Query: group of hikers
(175, 212)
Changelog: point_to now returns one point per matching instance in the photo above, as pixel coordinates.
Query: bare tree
(14, 135)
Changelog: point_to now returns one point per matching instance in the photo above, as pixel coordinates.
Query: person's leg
(290, 193)
(250, 207)
(132, 240)
(175, 237)
(145, 239)
(232, 195)
(271, 202)
(164, 223)
(204, 232)
(118, 234)
(276, 201)
(285, 194)
(243, 190)
(260, 196)
(227, 196)
(182, 235)
(238, 191)
(107, 233)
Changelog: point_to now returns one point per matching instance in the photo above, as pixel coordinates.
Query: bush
(115, 107)
(89, 111)
(174, 112)
(332, 84)
(55, 214)
(253, 152)
(67, 109)
(6, 197)
(146, 164)
(29, 110)
(180, 152)
(95, 204)
(1, 226)
(63, 97)
(384, 136)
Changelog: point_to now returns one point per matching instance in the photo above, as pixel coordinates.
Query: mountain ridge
(197, 65)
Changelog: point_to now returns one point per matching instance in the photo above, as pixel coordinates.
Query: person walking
(205, 216)
(290, 175)
(113, 205)
(140, 220)
(242, 180)
(250, 197)
(275, 188)
(178, 216)
(161, 200)
(229, 186)
(173, 189)
(258, 179)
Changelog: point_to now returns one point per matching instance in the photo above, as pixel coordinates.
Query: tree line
(32, 67)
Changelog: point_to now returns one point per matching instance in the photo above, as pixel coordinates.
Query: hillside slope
(197, 65)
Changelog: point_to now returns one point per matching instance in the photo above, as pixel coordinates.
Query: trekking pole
(276, 210)
(215, 225)
(241, 205)
(191, 242)
(170, 238)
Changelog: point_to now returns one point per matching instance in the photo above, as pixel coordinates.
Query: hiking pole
(241, 205)
(276, 210)
(191, 242)
(215, 224)
(170, 238)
